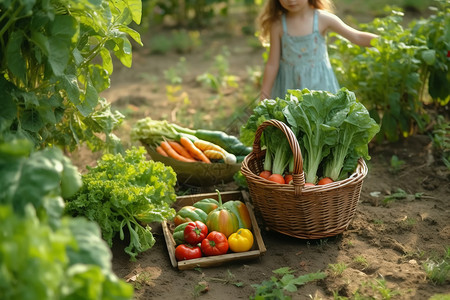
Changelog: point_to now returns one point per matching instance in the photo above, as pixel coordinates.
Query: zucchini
(230, 143)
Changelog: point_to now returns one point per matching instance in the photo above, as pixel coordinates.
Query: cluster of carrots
(193, 151)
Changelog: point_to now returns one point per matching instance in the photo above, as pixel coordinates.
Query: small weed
(337, 269)
(380, 286)
(401, 194)
(378, 222)
(283, 282)
(229, 279)
(361, 261)
(396, 164)
(440, 297)
(174, 75)
(185, 41)
(438, 270)
(408, 222)
(160, 44)
(441, 140)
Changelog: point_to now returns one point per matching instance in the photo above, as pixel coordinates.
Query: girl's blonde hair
(272, 10)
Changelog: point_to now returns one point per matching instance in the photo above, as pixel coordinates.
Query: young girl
(298, 56)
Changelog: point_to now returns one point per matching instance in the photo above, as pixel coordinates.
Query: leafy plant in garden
(56, 59)
(390, 77)
(434, 32)
(67, 262)
(41, 178)
(276, 287)
(124, 193)
(441, 140)
(438, 269)
(45, 255)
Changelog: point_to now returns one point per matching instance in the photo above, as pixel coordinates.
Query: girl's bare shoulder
(327, 20)
(277, 27)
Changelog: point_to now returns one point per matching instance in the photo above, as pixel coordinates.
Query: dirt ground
(383, 249)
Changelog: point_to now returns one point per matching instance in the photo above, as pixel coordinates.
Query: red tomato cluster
(199, 242)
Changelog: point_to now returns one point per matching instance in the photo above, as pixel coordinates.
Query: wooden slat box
(209, 261)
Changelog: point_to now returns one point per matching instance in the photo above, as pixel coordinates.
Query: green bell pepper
(207, 204)
(178, 233)
(188, 214)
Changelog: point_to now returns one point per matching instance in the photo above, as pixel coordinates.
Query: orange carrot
(174, 154)
(180, 149)
(161, 151)
(193, 150)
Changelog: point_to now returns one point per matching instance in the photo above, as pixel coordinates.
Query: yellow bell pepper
(241, 240)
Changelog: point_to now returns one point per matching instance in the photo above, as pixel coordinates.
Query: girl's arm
(273, 61)
(329, 21)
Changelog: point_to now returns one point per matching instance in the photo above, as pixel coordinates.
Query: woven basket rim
(298, 184)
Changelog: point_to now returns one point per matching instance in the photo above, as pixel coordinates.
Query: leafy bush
(56, 61)
(125, 193)
(42, 254)
(69, 262)
(390, 77)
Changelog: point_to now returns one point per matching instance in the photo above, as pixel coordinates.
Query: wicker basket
(306, 212)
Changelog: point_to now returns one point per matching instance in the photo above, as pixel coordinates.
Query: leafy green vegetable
(318, 116)
(278, 150)
(333, 131)
(123, 192)
(354, 135)
(69, 262)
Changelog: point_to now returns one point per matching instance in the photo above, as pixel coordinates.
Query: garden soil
(381, 254)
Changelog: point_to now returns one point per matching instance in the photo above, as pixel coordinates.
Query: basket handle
(298, 177)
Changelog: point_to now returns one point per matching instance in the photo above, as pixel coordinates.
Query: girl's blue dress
(304, 63)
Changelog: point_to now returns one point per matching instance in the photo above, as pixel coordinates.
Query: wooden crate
(209, 261)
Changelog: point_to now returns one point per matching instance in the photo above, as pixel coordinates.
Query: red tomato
(325, 180)
(216, 243)
(186, 251)
(195, 232)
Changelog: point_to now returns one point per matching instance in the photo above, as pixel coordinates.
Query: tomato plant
(49, 81)
(392, 76)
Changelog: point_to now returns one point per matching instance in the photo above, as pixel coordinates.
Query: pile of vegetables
(210, 227)
(333, 131)
(125, 194)
(188, 145)
(44, 254)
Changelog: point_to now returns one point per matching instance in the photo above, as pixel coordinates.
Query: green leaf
(134, 34)
(69, 83)
(99, 77)
(107, 61)
(63, 28)
(31, 120)
(89, 102)
(8, 109)
(135, 7)
(14, 59)
(429, 56)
